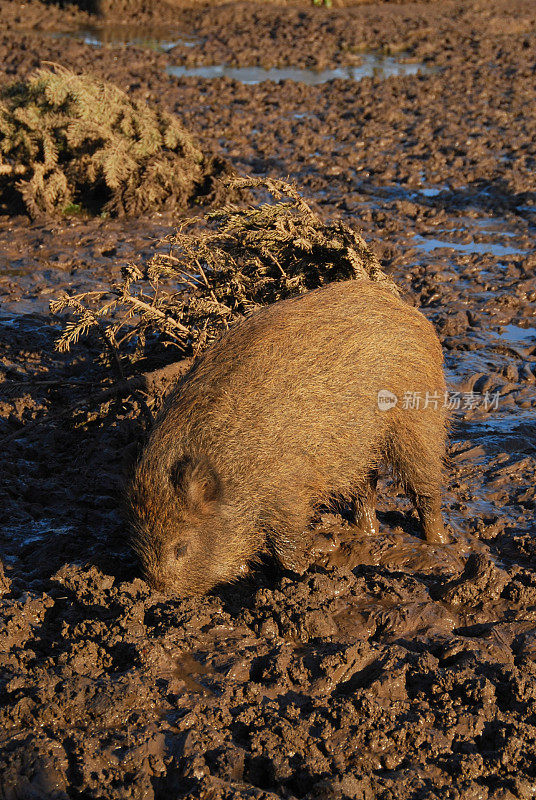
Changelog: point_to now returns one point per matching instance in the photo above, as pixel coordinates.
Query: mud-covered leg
(287, 536)
(417, 449)
(364, 508)
(429, 510)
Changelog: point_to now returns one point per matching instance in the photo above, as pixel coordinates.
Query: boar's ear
(196, 481)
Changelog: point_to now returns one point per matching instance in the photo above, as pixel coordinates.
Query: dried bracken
(235, 260)
(71, 141)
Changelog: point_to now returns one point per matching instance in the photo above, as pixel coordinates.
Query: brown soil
(391, 668)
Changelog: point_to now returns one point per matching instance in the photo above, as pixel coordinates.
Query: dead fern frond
(212, 272)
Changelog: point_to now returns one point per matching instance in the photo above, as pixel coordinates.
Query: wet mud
(390, 668)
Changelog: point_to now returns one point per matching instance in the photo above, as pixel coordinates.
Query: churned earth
(391, 668)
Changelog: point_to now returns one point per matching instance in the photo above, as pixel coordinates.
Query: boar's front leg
(285, 529)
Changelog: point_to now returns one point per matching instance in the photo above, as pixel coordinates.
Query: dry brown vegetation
(73, 142)
(233, 261)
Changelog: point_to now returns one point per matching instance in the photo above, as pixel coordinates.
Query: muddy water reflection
(118, 35)
(428, 244)
(372, 65)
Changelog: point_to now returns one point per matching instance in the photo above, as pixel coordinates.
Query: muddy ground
(391, 669)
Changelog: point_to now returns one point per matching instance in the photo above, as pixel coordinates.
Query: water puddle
(433, 191)
(372, 66)
(511, 432)
(127, 35)
(428, 245)
(495, 226)
(514, 334)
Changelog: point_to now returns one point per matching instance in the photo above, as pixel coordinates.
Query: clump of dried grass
(74, 142)
(210, 275)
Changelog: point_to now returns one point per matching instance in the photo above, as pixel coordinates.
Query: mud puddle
(372, 66)
(429, 244)
(514, 334)
(116, 35)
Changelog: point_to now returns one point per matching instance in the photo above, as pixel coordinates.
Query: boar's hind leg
(417, 453)
(364, 508)
(429, 510)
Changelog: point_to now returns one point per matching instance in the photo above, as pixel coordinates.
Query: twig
(158, 313)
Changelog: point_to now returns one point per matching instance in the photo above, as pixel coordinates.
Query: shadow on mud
(64, 461)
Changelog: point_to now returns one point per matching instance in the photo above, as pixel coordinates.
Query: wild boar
(298, 404)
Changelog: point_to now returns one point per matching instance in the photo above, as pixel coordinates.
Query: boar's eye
(180, 550)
